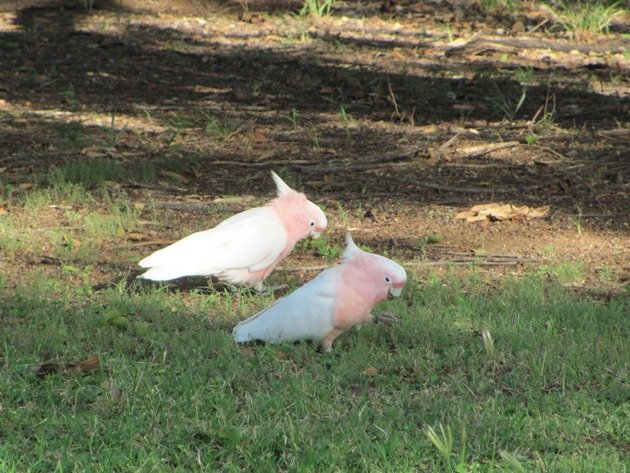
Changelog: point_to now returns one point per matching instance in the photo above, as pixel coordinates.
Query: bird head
(384, 276)
(305, 218)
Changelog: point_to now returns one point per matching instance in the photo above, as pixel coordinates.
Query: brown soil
(395, 172)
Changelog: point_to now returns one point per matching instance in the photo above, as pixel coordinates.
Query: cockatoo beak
(315, 234)
(394, 292)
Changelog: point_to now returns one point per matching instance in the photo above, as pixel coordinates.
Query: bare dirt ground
(394, 116)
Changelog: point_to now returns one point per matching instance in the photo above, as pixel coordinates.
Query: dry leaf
(281, 355)
(495, 212)
(370, 371)
(139, 205)
(266, 155)
(3, 210)
(248, 352)
(137, 236)
(92, 152)
(91, 364)
(25, 186)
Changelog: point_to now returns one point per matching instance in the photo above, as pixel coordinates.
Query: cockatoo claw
(387, 318)
(265, 291)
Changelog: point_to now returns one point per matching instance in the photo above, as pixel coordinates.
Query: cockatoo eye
(312, 224)
(387, 279)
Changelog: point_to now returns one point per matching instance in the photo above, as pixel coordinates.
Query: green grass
(586, 18)
(551, 395)
(317, 8)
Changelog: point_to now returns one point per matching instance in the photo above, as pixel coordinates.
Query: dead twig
(480, 263)
(480, 150)
(319, 267)
(487, 43)
(195, 207)
(143, 243)
(468, 190)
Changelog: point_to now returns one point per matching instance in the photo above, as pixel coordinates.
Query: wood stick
(487, 43)
(319, 267)
(477, 263)
(480, 150)
(143, 243)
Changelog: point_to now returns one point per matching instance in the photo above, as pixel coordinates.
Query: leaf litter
(496, 212)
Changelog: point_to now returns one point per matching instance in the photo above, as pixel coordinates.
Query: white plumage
(305, 314)
(246, 247)
(250, 240)
(331, 303)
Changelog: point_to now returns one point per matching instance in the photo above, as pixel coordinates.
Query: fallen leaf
(90, 365)
(113, 317)
(386, 318)
(25, 186)
(370, 371)
(45, 368)
(281, 355)
(3, 210)
(266, 155)
(248, 352)
(496, 212)
(137, 236)
(139, 205)
(114, 391)
(172, 175)
(92, 152)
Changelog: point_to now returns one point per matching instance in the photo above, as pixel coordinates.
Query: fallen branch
(159, 186)
(484, 43)
(470, 190)
(193, 207)
(143, 243)
(479, 263)
(480, 150)
(487, 255)
(367, 162)
(319, 267)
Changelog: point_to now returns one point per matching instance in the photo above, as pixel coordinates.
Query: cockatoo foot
(265, 291)
(386, 318)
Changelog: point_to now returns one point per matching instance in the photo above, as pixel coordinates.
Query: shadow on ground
(52, 64)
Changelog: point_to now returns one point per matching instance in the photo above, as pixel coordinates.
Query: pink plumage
(325, 307)
(245, 248)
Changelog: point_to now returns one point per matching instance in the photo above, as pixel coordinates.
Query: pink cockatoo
(333, 302)
(245, 248)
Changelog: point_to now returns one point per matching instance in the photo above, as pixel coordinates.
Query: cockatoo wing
(250, 240)
(306, 313)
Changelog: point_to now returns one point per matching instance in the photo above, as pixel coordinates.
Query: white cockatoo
(243, 249)
(333, 302)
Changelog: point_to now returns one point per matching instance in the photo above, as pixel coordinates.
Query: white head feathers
(281, 186)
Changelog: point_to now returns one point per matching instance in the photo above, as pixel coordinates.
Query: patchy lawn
(129, 125)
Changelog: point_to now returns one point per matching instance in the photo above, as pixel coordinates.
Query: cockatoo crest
(281, 186)
(376, 270)
(301, 216)
(246, 247)
(331, 303)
